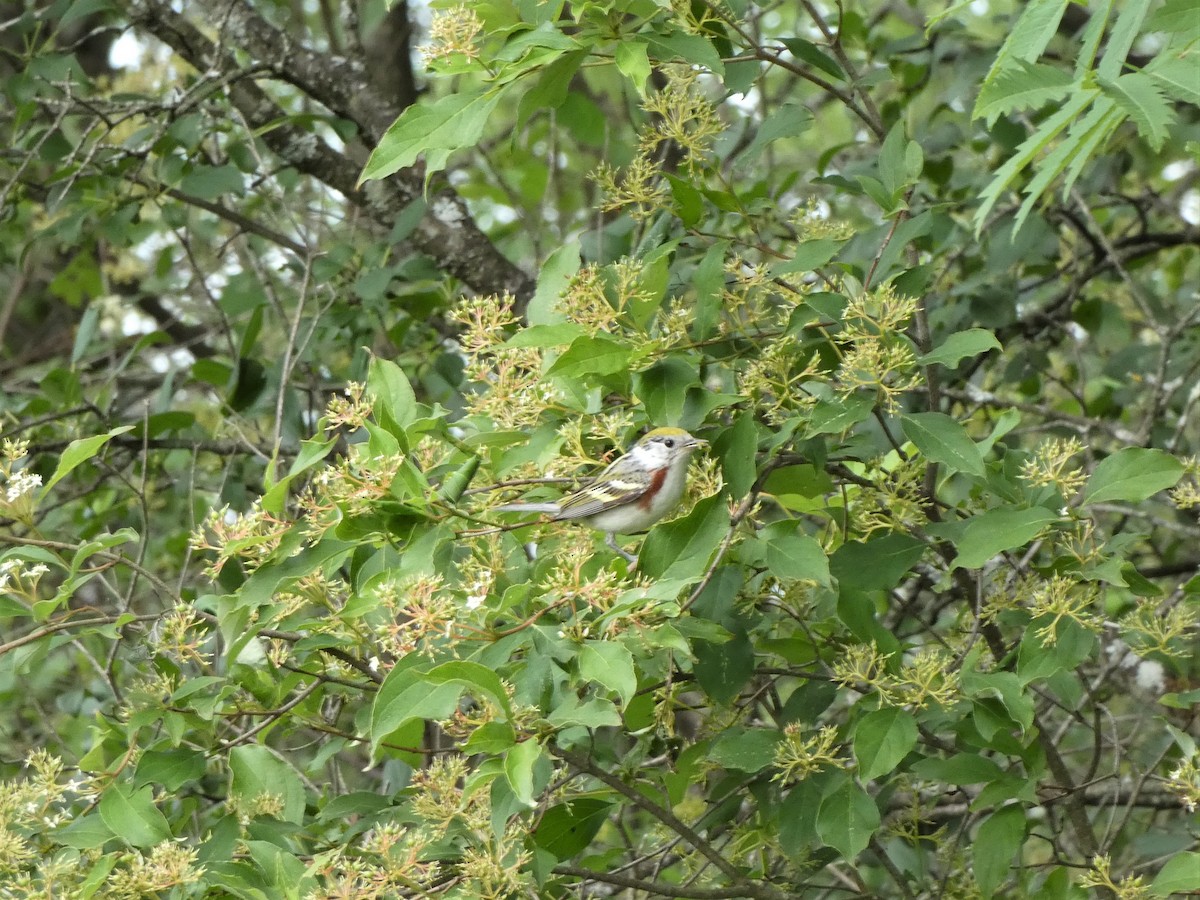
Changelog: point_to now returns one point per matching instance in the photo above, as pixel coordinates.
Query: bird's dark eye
(670, 442)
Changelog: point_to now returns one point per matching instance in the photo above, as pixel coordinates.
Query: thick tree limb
(446, 232)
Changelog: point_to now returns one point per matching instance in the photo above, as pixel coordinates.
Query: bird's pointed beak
(699, 442)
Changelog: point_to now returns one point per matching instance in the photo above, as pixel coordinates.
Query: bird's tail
(548, 508)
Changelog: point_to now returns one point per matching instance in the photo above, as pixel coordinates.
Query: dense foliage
(289, 306)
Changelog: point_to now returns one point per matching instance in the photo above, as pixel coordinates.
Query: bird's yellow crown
(668, 431)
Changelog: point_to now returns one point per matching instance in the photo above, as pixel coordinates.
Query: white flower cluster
(17, 578)
(20, 484)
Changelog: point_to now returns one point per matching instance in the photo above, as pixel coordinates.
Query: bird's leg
(611, 540)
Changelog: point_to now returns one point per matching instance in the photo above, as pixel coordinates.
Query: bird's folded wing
(602, 494)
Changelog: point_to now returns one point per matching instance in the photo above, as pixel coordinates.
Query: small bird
(633, 493)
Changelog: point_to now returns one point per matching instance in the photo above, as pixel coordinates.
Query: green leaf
(1141, 97)
(996, 842)
(457, 481)
(1177, 78)
(943, 440)
(790, 120)
(132, 815)
(518, 769)
(595, 713)
(681, 548)
(738, 446)
(85, 832)
(210, 182)
(691, 48)
(1120, 41)
(1132, 474)
(722, 670)
(388, 386)
(404, 696)
(1021, 85)
(962, 768)
(838, 414)
(568, 828)
(847, 819)
(745, 749)
(882, 739)
(170, 768)
(960, 345)
(258, 771)
(436, 129)
(559, 334)
(877, 564)
(814, 56)
(1025, 153)
(893, 172)
(594, 356)
(1180, 18)
(808, 256)
(997, 530)
(791, 554)
(1002, 686)
(80, 451)
(633, 61)
(1180, 875)
(610, 664)
(1029, 36)
(490, 737)
(472, 675)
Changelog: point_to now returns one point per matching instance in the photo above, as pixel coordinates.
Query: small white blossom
(22, 483)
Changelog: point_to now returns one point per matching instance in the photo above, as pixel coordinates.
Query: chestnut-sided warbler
(633, 493)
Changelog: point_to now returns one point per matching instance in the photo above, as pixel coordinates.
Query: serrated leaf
(435, 129)
(1030, 35)
(943, 440)
(1120, 40)
(1178, 18)
(997, 530)
(1177, 77)
(960, 345)
(1133, 474)
(1141, 98)
(1021, 85)
(1025, 153)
